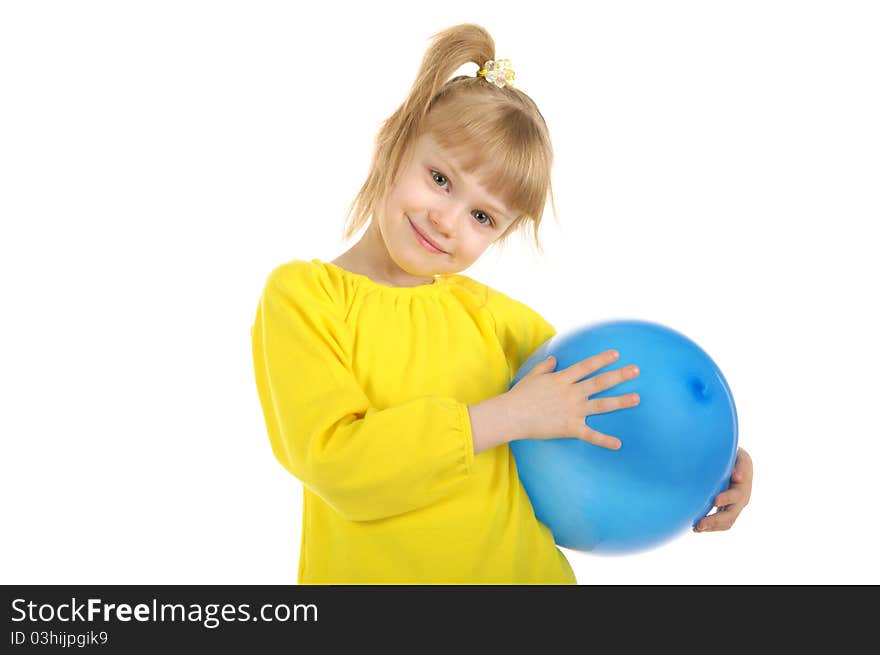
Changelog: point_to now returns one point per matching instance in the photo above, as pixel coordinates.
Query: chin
(420, 270)
(409, 263)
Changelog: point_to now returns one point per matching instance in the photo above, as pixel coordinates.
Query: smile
(427, 245)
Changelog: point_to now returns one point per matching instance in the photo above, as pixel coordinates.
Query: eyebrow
(445, 163)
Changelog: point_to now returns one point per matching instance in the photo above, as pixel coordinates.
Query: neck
(370, 257)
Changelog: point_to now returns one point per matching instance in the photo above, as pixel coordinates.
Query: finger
(743, 467)
(585, 367)
(603, 381)
(719, 521)
(544, 366)
(612, 403)
(599, 439)
(729, 497)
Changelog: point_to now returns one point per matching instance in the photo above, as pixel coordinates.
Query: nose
(443, 218)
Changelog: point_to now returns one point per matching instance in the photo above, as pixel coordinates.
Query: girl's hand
(548, 405)
(731, 502)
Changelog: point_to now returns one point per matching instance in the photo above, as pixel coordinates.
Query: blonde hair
(497, 133)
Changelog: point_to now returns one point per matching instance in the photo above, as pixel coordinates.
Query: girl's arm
(367, 463)
(493, 423)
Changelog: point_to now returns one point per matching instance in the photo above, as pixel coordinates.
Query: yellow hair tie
(499, 73)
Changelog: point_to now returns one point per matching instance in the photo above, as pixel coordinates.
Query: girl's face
(433, 198)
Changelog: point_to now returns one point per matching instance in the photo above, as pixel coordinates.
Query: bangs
(500, 146)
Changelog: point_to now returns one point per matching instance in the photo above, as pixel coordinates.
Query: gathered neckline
(438, 282)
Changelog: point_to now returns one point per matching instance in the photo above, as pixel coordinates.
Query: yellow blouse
(365, 389)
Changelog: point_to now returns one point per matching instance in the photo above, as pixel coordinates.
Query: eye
(435, 175)
(444, 182)
(489, 222)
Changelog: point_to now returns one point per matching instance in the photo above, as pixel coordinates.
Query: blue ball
(678, 444)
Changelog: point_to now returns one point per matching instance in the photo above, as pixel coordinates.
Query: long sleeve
(520, 329)
(366, 463)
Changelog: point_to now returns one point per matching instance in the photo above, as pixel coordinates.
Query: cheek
(397, 204)
(474, 246)
(401, 201)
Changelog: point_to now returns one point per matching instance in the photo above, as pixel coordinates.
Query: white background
(716, 171)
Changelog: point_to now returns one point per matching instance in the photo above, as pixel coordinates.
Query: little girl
(383, 375)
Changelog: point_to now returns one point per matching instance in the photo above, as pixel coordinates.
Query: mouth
(426, 243)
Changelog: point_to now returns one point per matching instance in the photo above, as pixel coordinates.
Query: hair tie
(499, 73)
